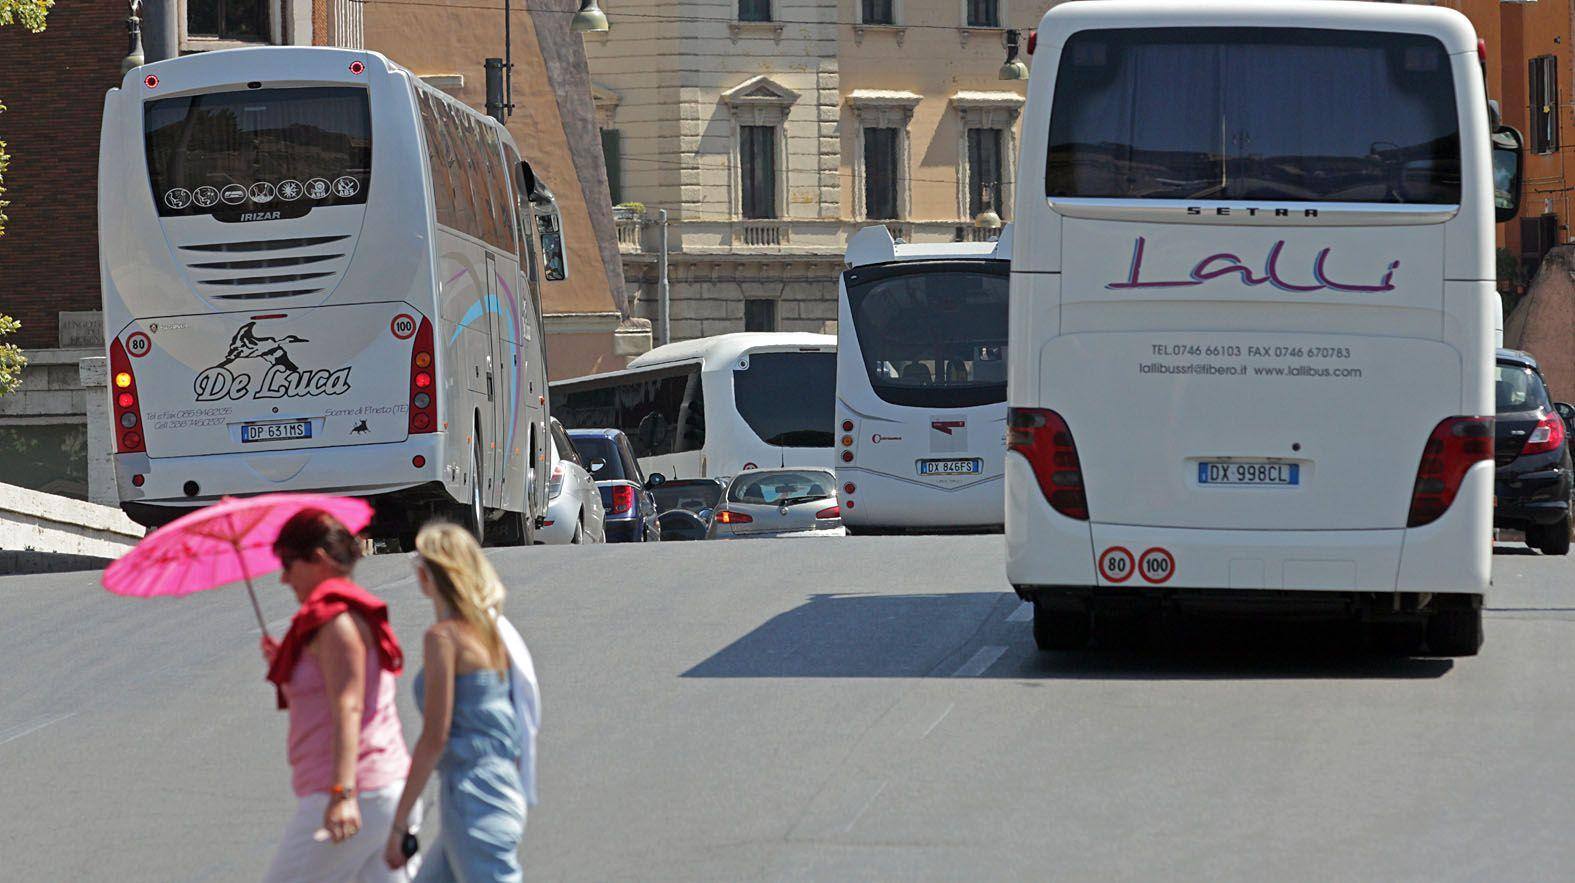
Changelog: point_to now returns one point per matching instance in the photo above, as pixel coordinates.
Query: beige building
(771, 130)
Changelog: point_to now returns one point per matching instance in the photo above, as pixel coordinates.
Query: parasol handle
(250, 592)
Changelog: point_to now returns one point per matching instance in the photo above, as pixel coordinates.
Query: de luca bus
(1252, 317)
(321, 274)
(921, 383)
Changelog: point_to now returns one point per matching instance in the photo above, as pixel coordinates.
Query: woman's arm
(342, 656)
(438, 656)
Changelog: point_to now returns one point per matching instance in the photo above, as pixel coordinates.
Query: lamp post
(134, 56)
(589, 18)
(987, 220)
(1013, 69)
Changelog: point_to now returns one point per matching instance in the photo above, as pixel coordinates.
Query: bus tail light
(1454, 446)
(1042, 437)
(622, 499)
(833, 512)
(423, 398)
(1548, 436)
(128, 409)
(727, 517)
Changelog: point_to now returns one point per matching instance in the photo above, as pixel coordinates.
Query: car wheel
(1554, 538)
(1061, 629)
(1454, 632)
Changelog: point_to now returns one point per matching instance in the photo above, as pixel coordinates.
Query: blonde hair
(465, 580)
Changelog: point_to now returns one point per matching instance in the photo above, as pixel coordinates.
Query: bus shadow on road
(942, 636)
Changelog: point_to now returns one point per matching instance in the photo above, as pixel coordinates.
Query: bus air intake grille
(267, 263)
(265, 280)
(266, 244)
(264, 295)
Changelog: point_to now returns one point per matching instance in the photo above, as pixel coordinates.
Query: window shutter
(611, 155)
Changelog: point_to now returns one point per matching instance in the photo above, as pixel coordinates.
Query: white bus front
(266, 266)
(921, 384)
(1251, 317)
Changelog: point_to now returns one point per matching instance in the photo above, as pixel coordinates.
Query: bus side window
(442, 186)
(691, 415)
(454, 156)
(501, 232)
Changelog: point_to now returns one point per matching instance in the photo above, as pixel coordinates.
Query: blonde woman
(474, 732)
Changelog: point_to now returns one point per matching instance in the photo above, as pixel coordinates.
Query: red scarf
(331, 598)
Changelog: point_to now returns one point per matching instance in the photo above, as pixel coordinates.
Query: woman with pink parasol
(334, 670)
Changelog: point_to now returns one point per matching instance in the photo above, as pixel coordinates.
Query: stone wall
(708, 295)
(42, 533)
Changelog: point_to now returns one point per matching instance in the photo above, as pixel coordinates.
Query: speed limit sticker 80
(1116, 564)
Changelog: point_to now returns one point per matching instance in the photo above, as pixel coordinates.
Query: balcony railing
(786, 236)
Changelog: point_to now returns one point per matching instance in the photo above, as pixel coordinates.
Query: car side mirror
(1506, 149)
(1567, 411)
(654, 480)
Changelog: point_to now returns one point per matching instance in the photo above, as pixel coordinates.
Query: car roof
(681, 482)
(1519, 357)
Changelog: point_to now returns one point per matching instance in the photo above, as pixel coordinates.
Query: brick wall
(53, 86)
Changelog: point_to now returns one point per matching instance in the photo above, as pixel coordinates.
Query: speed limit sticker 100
(1156, 565)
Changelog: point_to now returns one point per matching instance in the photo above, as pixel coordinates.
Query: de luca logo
(282, 378)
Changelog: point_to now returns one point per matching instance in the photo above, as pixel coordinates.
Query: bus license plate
(256, 432)
(1249, 474)
(972, 466)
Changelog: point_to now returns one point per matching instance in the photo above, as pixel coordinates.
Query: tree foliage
(30, 14)
(11, 359)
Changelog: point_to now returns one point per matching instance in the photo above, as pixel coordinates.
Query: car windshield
(793, 486)
(1518, 388)
(691, 495)
(600, 454)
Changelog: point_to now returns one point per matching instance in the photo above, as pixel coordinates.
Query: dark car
(686, 505)
(626, 492)
(1532, 489)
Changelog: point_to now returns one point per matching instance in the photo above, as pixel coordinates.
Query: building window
(760, 314)
(1544, 104)
(984, 171)
(984, 13)
(754, 10)
(880, 173)
(879, 12)
(757, 166)
(228, 19)
(612, 157)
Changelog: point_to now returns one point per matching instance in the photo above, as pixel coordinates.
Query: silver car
(779, 503)
(574, 506)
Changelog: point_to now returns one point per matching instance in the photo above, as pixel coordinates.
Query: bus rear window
(259, 150)
(933, 336)
(1254, 114)
(788, 399)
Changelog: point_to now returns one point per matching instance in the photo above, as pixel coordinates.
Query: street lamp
(134, 55)
(1013, 69)
(589, 19)
(987, 220)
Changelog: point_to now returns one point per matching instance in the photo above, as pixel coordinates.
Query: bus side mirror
(1506, 150)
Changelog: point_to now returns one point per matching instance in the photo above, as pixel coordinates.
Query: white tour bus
(921, 383)
(715, 406)
(1252, 303)
(320, 274)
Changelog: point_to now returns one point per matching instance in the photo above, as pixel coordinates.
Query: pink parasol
(228, 541)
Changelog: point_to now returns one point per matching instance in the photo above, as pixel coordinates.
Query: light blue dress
(481, 806)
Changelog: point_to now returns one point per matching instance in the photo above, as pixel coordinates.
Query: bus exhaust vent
(265, 244)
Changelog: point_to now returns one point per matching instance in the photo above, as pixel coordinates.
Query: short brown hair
(312, 529)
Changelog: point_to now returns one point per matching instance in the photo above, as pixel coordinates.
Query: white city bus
(715, 406)
(921, 383)
(1251, 318)
(319, 274)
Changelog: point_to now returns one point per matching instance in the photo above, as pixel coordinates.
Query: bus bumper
(384, 473)
(886, 502)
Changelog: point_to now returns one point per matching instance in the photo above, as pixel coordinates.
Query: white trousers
(302, 857)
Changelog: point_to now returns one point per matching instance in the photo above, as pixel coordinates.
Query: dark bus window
(1254, 114)
(284, 150)
(662, 411)
(442, 186)
(933, 335)
(788, 399)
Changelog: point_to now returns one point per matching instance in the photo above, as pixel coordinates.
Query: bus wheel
(476, 516)
(1062, 629)
(1454, 632)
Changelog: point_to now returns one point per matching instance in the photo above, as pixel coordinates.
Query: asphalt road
(867, 708)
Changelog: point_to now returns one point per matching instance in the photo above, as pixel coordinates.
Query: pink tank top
(382, 759)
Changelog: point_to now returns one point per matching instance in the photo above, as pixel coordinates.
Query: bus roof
(718, 349)
(875, 245)
(1451, 28)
